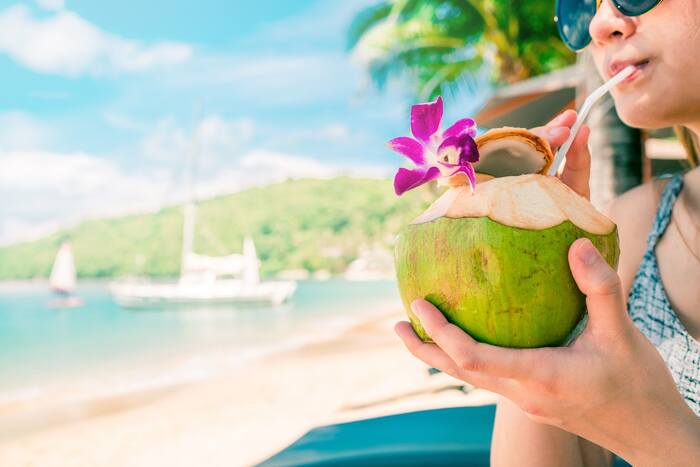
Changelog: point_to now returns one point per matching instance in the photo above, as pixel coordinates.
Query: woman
(630, 384)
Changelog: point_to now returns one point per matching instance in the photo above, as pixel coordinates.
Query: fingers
(567, 118)
(554, 135)
(434, 356)
(577, 170)
(557, 130)
(471, 356)
(600, 283)
(429, 353)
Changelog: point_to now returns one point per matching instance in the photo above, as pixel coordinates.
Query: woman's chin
(638, 115)
(636, 121)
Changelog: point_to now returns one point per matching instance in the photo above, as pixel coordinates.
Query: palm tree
(446, 46)
(441, 45)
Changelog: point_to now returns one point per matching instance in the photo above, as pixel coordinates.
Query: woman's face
(665, 43)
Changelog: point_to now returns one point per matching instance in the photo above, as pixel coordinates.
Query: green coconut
(495, 261)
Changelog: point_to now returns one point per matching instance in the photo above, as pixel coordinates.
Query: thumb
(599, 282)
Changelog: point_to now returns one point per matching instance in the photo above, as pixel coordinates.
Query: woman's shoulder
(634, 213)
(637, 204)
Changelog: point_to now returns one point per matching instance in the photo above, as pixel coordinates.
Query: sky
(102, 103)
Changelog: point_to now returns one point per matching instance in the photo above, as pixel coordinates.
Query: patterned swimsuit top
(651, 310)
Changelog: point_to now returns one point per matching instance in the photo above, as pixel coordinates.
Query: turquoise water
(40, 346)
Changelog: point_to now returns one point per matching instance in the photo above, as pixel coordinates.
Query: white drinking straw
(583, 113)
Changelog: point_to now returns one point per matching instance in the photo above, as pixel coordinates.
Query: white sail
(63, 272)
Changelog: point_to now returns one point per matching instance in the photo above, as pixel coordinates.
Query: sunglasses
(575, 16)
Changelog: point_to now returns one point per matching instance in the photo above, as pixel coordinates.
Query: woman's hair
(690, 143)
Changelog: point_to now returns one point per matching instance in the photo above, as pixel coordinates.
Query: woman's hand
(610, 386)
(577, 170)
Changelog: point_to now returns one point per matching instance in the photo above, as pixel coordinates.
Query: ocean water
(101, 346)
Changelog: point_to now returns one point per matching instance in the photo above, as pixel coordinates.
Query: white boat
(206, 280)
(221, 292)
(63, 279)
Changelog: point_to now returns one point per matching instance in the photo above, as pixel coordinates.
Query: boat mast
(189, 214)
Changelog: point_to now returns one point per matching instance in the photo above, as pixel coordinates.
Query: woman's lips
(616, 67)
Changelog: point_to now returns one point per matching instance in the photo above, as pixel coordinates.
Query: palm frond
(420, 41)
(451, 76)
(365, 20)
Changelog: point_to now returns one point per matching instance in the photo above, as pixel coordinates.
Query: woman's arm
(517, 440)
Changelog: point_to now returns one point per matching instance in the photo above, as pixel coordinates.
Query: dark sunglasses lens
(573, 19)
(635, 7)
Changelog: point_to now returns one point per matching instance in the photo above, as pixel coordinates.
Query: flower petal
(409, 147)
(450, 151)
(425, 119)
(407, 179)
(465, 125)
(459, 150)
(468, 170)
(470, 150)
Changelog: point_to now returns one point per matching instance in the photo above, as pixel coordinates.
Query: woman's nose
(609, 25)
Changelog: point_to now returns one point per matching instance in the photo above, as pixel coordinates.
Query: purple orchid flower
(436, 154)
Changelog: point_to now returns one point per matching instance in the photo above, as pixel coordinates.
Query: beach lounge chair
(458, 436)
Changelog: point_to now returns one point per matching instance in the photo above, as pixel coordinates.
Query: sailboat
(63, 279)
(207, 280)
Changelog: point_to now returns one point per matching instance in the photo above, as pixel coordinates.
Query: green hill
(310, 224)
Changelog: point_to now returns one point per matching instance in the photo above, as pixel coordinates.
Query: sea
(102, 349)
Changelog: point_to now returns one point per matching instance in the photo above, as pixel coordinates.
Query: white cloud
(74, 175)
(51, 5)
(14, 230)
(44, 191)
(215, 138)
(63, 188)
(305, 27)
(20, 131)
(279, 166)
(334, 132)
(66, 44)
(219, 138)
(271, 80)
(165, 142)
(122, 122)
(260, 167)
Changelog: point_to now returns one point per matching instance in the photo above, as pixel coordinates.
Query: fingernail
(416, 309)
(588, 253)
(558, 118)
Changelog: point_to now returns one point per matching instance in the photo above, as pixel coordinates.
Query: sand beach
(237, 418)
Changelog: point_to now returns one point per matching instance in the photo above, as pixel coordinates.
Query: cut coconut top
(533, 202)
(509, 151)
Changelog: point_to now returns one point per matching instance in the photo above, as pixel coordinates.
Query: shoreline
(57, 402)
(161, 361)
(245, 415)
